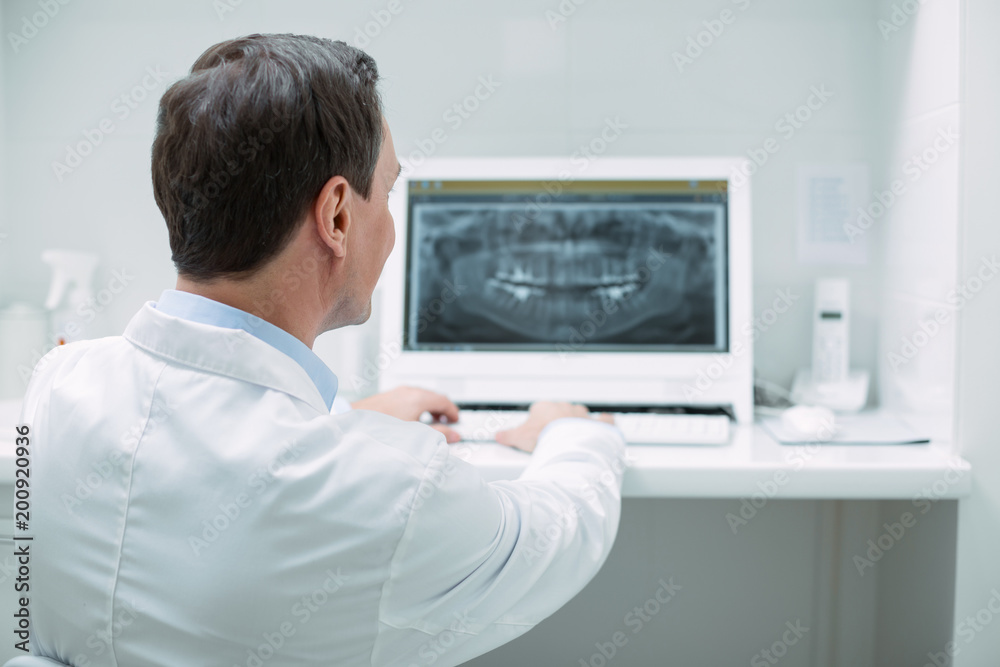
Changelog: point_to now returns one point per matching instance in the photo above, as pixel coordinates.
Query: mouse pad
(864, 428)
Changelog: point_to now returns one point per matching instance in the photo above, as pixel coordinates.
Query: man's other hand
(525, 436)
(409, 403)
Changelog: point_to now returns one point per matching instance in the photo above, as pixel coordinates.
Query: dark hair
(246, 141)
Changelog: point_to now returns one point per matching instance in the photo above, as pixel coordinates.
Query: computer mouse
(809, 422)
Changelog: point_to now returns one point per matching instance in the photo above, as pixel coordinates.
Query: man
(195, 499)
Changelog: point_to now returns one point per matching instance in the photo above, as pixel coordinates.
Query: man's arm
(481, 563)
(409, 403)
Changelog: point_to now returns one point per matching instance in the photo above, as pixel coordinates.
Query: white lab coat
(194, 502)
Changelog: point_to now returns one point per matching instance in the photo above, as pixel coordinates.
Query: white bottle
(73, 273)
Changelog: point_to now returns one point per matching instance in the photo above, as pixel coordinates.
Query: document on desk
(863, 428)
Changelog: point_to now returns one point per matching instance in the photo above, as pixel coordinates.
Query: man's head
(276, 145)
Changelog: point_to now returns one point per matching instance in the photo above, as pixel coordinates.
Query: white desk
(753, 463)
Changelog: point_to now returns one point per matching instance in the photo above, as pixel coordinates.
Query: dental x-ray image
(647, 275)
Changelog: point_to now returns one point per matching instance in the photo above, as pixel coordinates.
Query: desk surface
(753, 464)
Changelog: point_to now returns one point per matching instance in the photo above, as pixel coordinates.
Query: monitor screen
(586, 265)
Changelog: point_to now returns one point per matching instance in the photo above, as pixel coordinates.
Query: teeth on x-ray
(647, 270)
(520, 291)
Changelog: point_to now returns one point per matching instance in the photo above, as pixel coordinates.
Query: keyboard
(639, 428)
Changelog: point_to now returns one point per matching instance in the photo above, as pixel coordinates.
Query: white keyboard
(639, 428)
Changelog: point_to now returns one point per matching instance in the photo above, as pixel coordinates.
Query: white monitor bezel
(690, 378)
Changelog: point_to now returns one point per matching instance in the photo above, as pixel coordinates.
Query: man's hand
(409, 403)
(540, 415)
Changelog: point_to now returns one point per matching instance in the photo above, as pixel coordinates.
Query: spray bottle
(73, 273)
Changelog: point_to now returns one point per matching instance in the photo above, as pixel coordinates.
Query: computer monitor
(623, 283)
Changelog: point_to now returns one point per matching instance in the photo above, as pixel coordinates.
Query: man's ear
(332, 211)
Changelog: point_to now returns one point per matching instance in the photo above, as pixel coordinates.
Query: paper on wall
(828, 199)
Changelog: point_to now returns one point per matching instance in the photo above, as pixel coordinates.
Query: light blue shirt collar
(197, 308)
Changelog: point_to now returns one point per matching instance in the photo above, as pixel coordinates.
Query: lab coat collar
(197, 308)
(234, 353)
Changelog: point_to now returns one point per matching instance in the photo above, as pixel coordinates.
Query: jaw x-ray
(582, 274)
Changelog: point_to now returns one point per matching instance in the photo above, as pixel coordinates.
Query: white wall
(921, 70)
(557, 88)
(979, 353)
